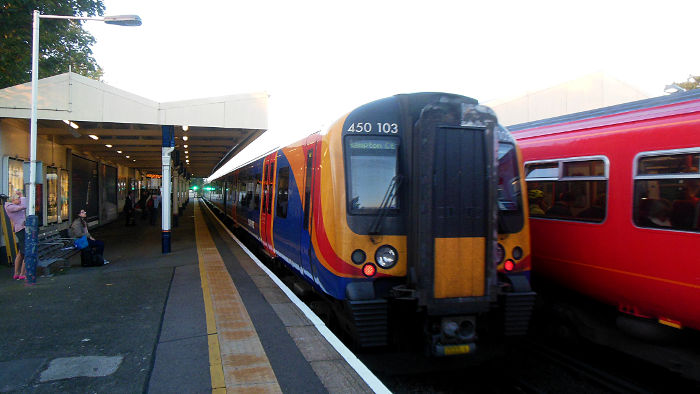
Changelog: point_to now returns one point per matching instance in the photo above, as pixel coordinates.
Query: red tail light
(509, 265)
(369, 269)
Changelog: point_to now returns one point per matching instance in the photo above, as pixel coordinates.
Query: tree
(63, 43)
(693, 82)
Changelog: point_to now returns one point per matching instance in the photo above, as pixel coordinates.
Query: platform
(206, 317)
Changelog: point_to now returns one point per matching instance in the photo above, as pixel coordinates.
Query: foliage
(693, 82)
(63, 43)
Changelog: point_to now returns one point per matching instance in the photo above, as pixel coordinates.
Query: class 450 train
(404, 216)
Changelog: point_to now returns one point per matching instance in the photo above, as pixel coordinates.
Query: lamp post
(32, 223)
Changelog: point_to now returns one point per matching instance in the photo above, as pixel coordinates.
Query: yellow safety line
(237, 360)
(216, 370)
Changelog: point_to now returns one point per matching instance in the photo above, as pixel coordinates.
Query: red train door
(266, 218)
(306, 243)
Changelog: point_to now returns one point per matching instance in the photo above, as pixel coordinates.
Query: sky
(320, 59)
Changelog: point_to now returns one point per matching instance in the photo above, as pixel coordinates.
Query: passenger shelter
(96, 142)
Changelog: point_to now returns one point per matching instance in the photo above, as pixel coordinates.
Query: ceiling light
(185, 146)
(119, 151)
(185, 138)
(108, 145)
(66, 121)
(186, 152)
(185, 128)
(127, 156)
(73, 125)
(94, 137)
(187, 157)
(187, 160)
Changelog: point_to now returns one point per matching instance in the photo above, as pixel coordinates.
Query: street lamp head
(123, 20)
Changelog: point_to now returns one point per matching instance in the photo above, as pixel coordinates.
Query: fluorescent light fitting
(127, 156)
(74, 125)
(185, 128)
(185, 138)
(185, 146)
(66, 121)
(119, 151)
(186, 152)
(94, 137)
(108, 145)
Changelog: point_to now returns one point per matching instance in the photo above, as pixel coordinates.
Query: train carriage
(615, 204)
(400, 202)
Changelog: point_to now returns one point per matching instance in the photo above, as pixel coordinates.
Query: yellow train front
(393, 215)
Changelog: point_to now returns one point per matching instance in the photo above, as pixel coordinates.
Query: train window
(258, 189)
(667, 190)
(282, 191)
(568, 189)
(372, 167)
(542, 171)
(509, 197)
(669, 164)
(307, 188)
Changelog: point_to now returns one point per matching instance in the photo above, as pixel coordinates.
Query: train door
(266, 218)
(235, 197)
(310, 152)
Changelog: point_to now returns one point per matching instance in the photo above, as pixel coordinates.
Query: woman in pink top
(16, 212)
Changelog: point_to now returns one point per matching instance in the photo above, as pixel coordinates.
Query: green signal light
(195, 187)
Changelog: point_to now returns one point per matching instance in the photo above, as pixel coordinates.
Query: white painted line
(375, 384)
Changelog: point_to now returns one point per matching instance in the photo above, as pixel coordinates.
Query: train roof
(635, 110)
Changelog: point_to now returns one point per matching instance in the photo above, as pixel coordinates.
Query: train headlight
(358, 256)
(500, 254)
(386, 256)
(517, 253)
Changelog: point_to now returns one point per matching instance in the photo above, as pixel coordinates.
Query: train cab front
(422, 176)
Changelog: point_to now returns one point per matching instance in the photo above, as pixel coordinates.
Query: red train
(615, 205)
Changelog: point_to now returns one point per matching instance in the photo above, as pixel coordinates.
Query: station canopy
(210, 130)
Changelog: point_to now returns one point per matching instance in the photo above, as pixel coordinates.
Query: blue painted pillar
(165, 201)
(31, 234)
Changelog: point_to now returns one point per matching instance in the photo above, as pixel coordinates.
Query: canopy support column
(166, 198)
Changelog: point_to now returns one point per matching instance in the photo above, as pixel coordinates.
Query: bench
(54, 246)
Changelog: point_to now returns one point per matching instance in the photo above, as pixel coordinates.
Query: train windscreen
(373, 165)
(509, 195)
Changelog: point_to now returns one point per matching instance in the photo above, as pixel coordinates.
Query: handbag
(81, 243)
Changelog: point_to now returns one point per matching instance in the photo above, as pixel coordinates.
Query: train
(406, 214)
(614, 208)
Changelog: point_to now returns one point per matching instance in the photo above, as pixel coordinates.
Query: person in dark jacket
(562, 207)
(129, 209)
(79, 228)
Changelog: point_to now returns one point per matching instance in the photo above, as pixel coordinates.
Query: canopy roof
(218, 127)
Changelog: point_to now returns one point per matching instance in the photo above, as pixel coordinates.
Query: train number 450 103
(368, 127)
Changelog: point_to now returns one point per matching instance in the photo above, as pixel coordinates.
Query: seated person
(562, 207)
(79, 228)
(596, 211)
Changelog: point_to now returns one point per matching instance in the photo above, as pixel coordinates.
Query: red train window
(667, 190)
(576, 192)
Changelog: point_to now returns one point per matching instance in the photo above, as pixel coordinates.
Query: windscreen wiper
(389, 197)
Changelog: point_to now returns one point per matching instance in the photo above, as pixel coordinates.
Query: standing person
(150, 207)
(156, 206)
(129, 208)
(16, 211)
(79, 228)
